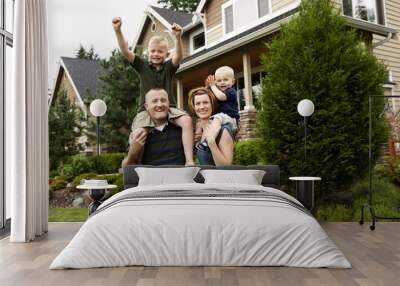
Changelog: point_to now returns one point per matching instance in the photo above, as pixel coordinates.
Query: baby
(228, 111)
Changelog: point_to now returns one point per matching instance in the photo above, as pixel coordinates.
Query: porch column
(179, 94)
(248, 92)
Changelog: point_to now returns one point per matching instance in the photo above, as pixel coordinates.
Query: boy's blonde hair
(226, 70)
(158, 40)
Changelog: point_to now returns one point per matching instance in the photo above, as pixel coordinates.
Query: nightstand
(305, 190)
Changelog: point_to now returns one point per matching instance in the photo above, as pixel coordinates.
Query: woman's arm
(223, 152)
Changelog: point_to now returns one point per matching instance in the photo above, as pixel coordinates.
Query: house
(233, 32)
(79, 79)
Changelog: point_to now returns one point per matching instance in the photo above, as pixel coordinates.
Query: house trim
(201, 6)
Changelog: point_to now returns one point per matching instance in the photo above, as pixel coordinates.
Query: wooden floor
(375, 256)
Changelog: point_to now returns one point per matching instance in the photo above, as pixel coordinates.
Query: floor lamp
(369, 205)
(305, 108)
(98, 108)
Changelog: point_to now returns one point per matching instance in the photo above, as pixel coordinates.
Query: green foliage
(247, 152)
(188, 6)
(57, 184)
(77, 165)
(386, 201)
(67, 214)
(110, 163)
(64, 128)
(119, 88)
(317, 57)
(82, 53)
(81, 164)
(86, 176)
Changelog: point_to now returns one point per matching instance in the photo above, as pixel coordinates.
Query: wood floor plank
(374, 255)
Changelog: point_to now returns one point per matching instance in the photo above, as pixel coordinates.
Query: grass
(68, 214)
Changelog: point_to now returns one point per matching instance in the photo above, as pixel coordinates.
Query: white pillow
(248, 177)
(166, 176)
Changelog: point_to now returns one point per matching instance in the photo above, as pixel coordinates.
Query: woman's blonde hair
(199, 91)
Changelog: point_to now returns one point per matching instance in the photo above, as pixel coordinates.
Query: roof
(84, 74)
(171, 16)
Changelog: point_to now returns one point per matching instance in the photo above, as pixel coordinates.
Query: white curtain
(27, 123)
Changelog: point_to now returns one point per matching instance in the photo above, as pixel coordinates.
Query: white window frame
(223, 7)
(269, 9)
(191, 37)
(353, 11)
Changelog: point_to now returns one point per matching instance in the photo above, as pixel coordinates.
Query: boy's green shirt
(150, 78)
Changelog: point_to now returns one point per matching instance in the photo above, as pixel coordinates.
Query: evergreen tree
(81, 53)
(64, 129)
(317, 57)
(188, 6)
(119, 88)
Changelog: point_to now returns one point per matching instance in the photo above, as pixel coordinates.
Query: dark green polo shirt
(150, 78)
(164, 147)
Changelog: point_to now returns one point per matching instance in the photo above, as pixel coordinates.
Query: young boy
(222, 86)
(158, 72)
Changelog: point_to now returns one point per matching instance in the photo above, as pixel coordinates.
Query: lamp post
(305, 108)
(98, 108)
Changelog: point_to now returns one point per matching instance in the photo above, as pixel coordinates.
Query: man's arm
(123, 45)
(136, 149)
(220, 95)
(178, 54)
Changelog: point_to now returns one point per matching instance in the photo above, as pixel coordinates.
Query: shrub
(77, 165)
(316, 56)
(247, 152)
(57, 184)
(86, 176)
(109, 162)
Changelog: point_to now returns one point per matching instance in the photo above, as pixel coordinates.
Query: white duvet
(183, 231)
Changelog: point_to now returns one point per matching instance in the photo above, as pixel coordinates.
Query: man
(163, 144)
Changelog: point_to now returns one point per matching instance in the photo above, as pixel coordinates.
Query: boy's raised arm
(178, 54)
(123, 45)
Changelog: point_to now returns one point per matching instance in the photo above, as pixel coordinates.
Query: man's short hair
(155, 89)
(158, 40)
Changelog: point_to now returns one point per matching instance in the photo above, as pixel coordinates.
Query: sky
(88, 22)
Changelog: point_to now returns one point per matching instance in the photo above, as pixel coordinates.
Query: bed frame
(270, 179)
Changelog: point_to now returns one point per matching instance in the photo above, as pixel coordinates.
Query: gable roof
(166, 17)
(181, 18)
(83, 75)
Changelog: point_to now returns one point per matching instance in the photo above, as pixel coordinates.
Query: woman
(216, 143)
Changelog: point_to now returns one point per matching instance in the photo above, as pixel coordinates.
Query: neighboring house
(79, 79)
(233, 32)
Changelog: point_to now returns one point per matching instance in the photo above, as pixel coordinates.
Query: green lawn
(67, 214)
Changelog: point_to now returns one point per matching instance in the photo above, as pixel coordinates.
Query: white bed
(222, 225)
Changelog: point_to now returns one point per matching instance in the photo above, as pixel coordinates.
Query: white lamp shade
(305, 107)
(98, 107)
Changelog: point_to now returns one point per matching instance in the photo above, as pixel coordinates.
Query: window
(263, 7)
(367, 10)
(6, 43)
(227, 17)
(197, 40)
